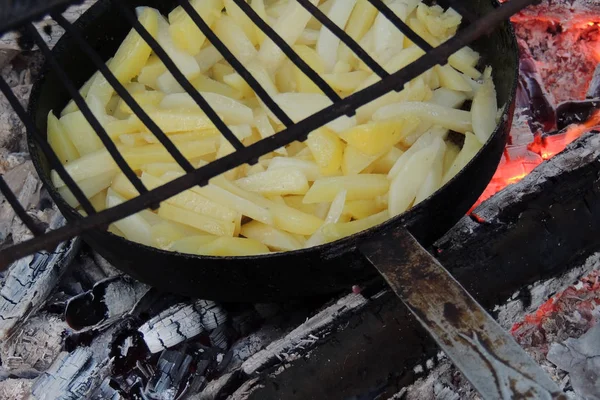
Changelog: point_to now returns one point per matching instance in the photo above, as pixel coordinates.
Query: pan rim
(350, 242)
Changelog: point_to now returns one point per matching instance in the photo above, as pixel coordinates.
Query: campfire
(72, 326)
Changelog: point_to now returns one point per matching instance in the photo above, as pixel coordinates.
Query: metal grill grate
(475, 28)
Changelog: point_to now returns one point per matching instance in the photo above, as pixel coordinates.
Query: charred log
(181, 323)
(172, 368)
(30, 282)
(72, 376)
(37, 344)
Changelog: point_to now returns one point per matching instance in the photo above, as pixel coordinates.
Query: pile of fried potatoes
(350, 175)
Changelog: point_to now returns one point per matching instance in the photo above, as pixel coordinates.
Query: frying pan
(488, 356)
(319, 270)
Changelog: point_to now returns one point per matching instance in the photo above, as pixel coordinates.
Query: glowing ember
(512, 170)
(576, 308)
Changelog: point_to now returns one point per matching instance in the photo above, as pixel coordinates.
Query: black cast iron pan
(319, 270)
(488, 356)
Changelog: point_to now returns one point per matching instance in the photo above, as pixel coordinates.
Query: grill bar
(345, 38)
(401, 25)
(46, 149)
(18, 208)
(236, 64)
(288, 51)
(86, 111)
(299, 131)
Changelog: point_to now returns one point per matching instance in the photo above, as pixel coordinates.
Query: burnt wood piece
(181, 322)
(542, 226)
(576, 112)
(109, 300)
(594, 88)
(30, 282)
(72, 376)
(531, 96)
(172, 368)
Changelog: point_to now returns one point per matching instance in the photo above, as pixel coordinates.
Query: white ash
(179, 323)
(30, 281)
(248, 346)
(72, 376)
(12, 130)
(297, 337)
(15, 389)
(36, 344)
(9, 41)
(121, 296)
(581, 359)
(514, 309)
(23, 182)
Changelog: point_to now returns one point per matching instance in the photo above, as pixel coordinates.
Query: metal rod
(438, 55)
(345, 38)
(46, 149)
(85, 110)
(288, 51)
(18, 209)
(261, 93)
(486, 354)
(401, 25)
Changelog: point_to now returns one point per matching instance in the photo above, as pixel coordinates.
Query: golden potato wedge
(327, 150)
(88, 166)
(133, 227)
(185, 33)
(340, 230)
(456, 120)
(470, 148)
(201, 222)
(232, 247)
(275, 182)
(355, 161)
(191, 245)
(484, 111)
(359, 187)
(90, 187)
(359, 209)
(274, 238)
(375, 138)
(59, 140)
(130, 58)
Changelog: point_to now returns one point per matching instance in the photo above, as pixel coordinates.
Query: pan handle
(486, 354)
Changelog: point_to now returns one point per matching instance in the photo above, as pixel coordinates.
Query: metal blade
(487, 355)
